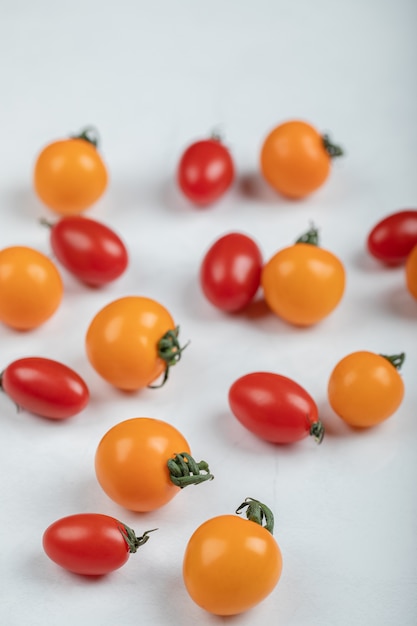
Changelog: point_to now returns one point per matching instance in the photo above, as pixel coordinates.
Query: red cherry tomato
(275, 408)
(205, 171)
(89, 250)
(45, 387)
(230, 273)
(90, 543)
(393, 238)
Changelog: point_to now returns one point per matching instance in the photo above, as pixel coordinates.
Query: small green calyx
(317, 431)
(90, 134)
(132, 541)
(311, 236)
(396, 360)
(184, 470)
(332, 149)
(258, 512)
(170, 351)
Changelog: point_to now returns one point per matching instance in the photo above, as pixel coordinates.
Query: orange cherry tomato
(132, 341)
(31, 288)
(296, 158)
(411, 272)
(70, 175)
(142, 463)
(232, 564)
(303, 283)
(365, 389)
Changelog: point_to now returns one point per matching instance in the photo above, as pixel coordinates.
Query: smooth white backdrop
(154, 76)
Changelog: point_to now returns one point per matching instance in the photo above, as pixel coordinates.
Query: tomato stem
(311, 236)
(332, 149)
(44, 222)
(170, 351)
(184, 470)
(90, 134)
(132, 541)
(395, 359)
(258, 512)
(317, 431)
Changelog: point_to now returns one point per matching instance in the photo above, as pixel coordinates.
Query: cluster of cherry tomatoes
(133, 342)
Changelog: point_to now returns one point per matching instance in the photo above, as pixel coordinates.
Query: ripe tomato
(365, 389)
(275, 408)
(142, 463)
(88, 249)
(411, 272)
(392, 239)
(70, 175)
(30, 287)
(90, 543)
(45, 387)
(132, 341)
(205, 171)
(230, 273)
(231, 564)
(296, 158)
(303, 283)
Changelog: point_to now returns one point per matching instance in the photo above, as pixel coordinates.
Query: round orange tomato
(303, 283)
(132, 341)
(30, 287)
(231, 564)
(411, 272)
(70, 174)
(142, 463)
(296, 159)
(365, 389)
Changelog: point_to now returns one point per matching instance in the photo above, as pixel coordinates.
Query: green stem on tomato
(311, 236)
(395, 359)
(332, 149)
(170, 351)
(184, 470)
(90, 134)
(132, 541)
(258, 512)
(317, 431)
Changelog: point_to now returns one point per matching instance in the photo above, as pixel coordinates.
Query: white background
(154, 76)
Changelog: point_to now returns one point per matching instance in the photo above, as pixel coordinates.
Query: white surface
(153, 76)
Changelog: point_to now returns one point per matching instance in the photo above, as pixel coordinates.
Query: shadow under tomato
(251, 185)
(400, 301)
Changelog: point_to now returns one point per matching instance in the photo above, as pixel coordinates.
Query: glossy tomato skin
(131, 463)
(31, 287)
(205, 171)
(303, 283)
(69, 176)
(411, 272)
(273, 407)
(230, 273)
(365, 389)
(230, 565)
(122, 341)
(89, 249)
(91, 544)
(392, 239)
(45, 387)
(294, 159)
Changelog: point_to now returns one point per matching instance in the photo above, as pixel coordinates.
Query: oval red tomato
(230, 273)
(88, 249)
(205, 171)
(90, 543)
(392, 239)
(275, 408)
(45, 387)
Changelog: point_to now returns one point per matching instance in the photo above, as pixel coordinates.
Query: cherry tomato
(91, 544)
(275, 408)
(205, 171)
(70, 175)
(392, 239)
(88, 249)
(45, 387)
(303, 283)
(30, 287)
(365, 389)
(296, 158)
(142, 463)
(232, 564)
(132, 341)
(230, 273)
(411, 272)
